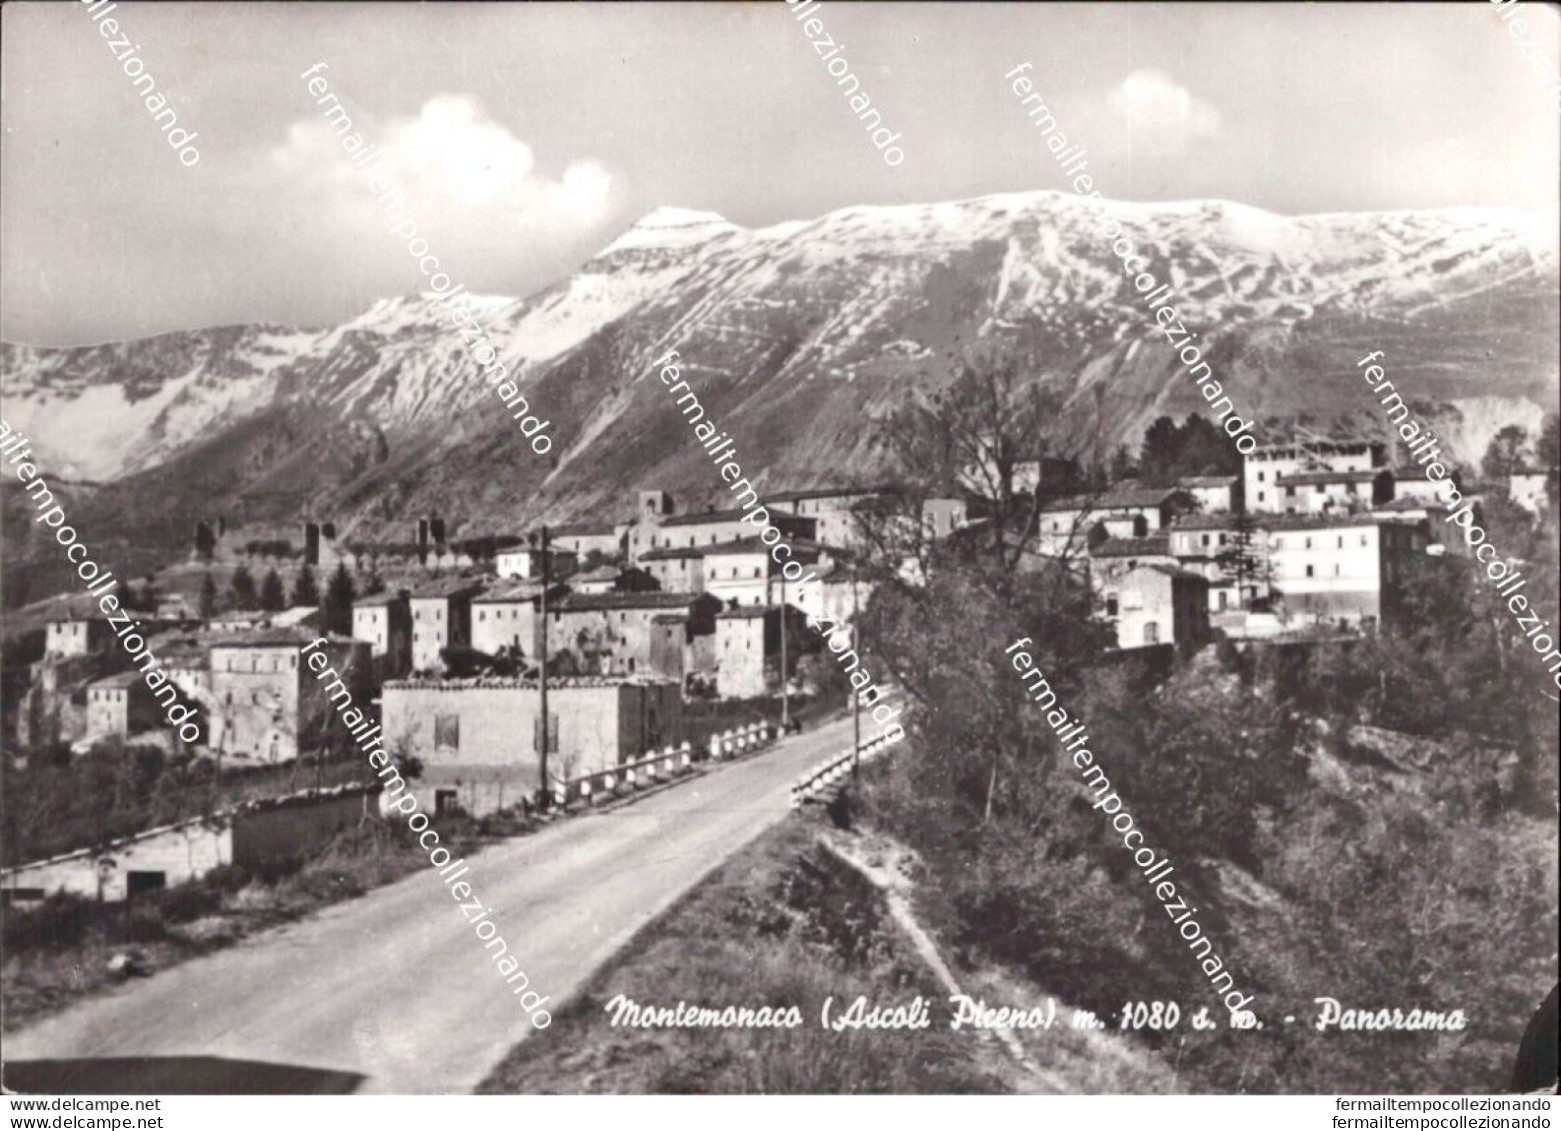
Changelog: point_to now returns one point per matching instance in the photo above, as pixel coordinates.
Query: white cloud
(454, 165)
(1161, 114)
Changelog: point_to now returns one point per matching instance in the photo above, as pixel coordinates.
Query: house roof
(651, 599)
(672, 553)
(286, 636)
(523, 591)
(447, 588)
(1262, 523)
(750, 545)
(584, 530)
(554, 683)
(1291, 447)
(1117, 499)
(295, 615)
(174, 647)
(117, 680)
(236, 615)
(743, 612)
(384, 598)
(1214, 520)
(1298, 478)
(604, 573)
(1170, 571)
(756, 545)
(1340, 520)
(840, 574)
(74, 619)
(1208, 481)
(1134, 547)
(824, 493)
(735, 514)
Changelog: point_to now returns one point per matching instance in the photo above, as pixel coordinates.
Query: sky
(526, 137)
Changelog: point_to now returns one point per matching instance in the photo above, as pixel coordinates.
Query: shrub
(144, 923)
(60, 921)
(188, 901)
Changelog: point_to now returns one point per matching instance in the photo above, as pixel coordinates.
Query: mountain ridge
(801, 337)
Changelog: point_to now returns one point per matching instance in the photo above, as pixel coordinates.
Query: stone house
(1158, 604)
(384, 621)
(263, 704)
(478, 739)
(1071, 525)
(610, 633)
(121, 705)
(441, 617)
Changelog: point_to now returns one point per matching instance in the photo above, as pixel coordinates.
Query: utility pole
(856, 699)
(785, 674)
(546, 799)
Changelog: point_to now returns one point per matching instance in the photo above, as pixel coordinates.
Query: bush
(189, 901)
(144, 923)
(60, 921)
(327, 884)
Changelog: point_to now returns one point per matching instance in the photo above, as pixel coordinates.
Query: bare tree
(974, 437)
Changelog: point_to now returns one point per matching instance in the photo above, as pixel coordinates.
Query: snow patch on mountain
(868, 292)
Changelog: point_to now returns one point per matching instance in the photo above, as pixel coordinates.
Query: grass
(782, 923)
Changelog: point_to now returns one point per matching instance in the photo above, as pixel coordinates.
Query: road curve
(394, 986)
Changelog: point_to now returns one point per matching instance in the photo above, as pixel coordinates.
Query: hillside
(800, 338)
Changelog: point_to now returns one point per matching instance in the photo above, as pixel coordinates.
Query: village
(639, 619)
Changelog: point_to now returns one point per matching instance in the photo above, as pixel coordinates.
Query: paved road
(395, 988)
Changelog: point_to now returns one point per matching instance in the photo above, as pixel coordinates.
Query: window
(1308, 543)
(447, 732)
(1204, 541)
(1260, 494)
(1310, 571)
(446, 802)
(1151, 633)
(137, 883)
(1111, 606)
(1362, 539)
(1336, 569)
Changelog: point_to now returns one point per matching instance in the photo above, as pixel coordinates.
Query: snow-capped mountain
(799, 338)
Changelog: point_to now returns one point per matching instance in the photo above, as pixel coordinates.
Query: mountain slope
(799, 338)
